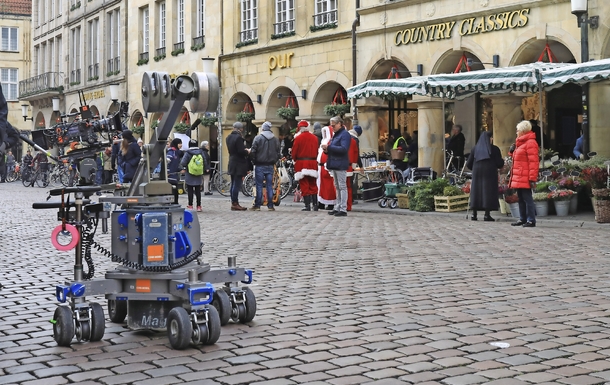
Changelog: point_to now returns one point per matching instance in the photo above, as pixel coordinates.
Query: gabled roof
(16, 7)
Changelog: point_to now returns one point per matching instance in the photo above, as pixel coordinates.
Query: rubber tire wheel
(250, 306)
(117, 310)
(213, 326)
(179, 328)
(222, 303)
(63, 328)
(393, 203)
(98, 322)
(383, 203)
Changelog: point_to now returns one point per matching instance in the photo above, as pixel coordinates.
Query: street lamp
(55, 101)
(24, 112)
(579, 9)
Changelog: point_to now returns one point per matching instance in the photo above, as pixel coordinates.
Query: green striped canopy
(389, 89)
(521, 78)
(581, 73)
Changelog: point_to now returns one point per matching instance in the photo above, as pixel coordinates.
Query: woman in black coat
(485, 159)
(238, 163)
(130, 155)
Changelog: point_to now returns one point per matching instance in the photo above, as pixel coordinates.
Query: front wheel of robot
(213, 326)
(63, 326)
(222, 303)
(98, 322)
(179, 328)
(250, 306)
(117, 310)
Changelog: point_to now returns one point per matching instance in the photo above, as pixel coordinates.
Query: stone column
(431, 128)
(507, 114)
(599, 116)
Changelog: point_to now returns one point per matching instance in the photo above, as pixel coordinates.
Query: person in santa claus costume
(304, 154)
(326, 185)
(353, 163)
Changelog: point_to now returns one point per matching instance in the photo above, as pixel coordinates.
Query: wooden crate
(451, 204)
(403, 201)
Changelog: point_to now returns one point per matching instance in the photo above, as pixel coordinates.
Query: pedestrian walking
(205, 147)
(107, 164)
(524, 173)
(326, 185)
(174, 155)
(338, 163)
(304, 154)
(485, 160)
(194, 164)
(238, 163)
(265, 153)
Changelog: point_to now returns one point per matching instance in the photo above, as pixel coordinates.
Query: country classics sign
(470, 26)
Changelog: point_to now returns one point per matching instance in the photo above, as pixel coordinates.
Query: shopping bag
(284, 177)
(298, 196)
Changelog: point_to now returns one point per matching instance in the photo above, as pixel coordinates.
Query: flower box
(451, 204)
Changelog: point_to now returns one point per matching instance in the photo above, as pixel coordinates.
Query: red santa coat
(304, 154)
(352, 156)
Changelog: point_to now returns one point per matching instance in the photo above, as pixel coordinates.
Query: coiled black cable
(87, 240)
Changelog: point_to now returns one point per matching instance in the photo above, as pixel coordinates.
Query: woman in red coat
(524, 173)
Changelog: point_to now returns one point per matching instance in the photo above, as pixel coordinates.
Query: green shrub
(451, 191)
(544, 186)
(438, 186)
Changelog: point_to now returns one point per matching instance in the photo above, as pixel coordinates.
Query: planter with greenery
(245, 43)
(287, 113)
(112, 73)
(138, 130)
(314, 28)
(159, 58)
(421, 195)
(93, 78)
(181, 128)
(154, 124)
(337, 109)
(197, 47)
(207, 121)
(281, 35)
(244, 116)
(177, 52)
(541, 200)
(142, 62)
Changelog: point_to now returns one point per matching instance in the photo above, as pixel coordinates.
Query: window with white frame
(75, 50)
(93, 49)
(180, 26)
(10, 81)
(43, 55)
(52, 55)
(145, 29)
(114, 41)
(162, 24)
(284, 16)
(200, 31)
(249, 20)
(326, 12)
(37, 59)
(60, 63)
(9, 39)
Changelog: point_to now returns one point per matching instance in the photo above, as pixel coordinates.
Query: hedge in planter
(421, 195)
(181, 128)
(287, 113)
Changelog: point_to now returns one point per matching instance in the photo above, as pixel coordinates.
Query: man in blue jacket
(338, 163)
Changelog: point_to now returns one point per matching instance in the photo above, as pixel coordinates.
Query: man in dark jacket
(238, 163)
(456, 144)
(338, 163)
(265, 152)
(129, 156)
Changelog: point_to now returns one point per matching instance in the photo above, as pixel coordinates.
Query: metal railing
(75, 76)
(178, 46)
(114, 65)
(144, 56)
(198, 40)
(248, 35)
(48, 81)
(284, 26)
(325, 18)
(160, 51)
(94, 70)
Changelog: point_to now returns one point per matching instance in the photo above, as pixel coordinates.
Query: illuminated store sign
(470, 26)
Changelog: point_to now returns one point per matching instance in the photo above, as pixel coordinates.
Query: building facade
(405, 38)
(15, 59)
(77, 46)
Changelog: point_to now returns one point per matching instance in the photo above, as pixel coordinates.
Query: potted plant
(453, 199)
(138, 129)
(574, 184)
(561, 200)
(541, 200)
(208, 121)
(287, 113)
(502, 188)
(597, 180)
(337, 109)
(244, 116)
(181, 127)
(512, 201)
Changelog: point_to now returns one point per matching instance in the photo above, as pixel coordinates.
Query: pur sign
(470, 26)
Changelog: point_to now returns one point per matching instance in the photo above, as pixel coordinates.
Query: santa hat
(303, 125)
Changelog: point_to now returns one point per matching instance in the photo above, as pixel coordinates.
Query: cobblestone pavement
(370, 298)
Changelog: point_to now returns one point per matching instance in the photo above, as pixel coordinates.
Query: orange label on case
(142, 285)
(155, 253)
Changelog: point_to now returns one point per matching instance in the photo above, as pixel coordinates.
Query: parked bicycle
(221, 181)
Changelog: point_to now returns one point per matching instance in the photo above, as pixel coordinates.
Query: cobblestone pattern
(370, 298)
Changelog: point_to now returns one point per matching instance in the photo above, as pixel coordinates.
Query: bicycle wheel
(26, 179)
(11, 176)
(248, 185)
(222, 183)
(285, 189)
(42, 179)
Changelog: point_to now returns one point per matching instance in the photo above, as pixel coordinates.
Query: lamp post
(579, 9)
